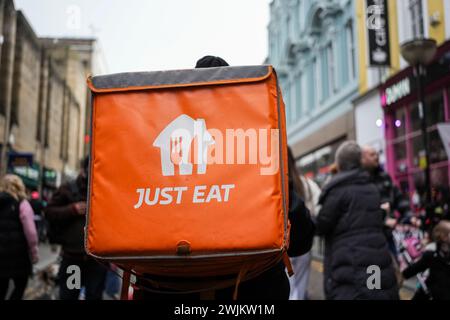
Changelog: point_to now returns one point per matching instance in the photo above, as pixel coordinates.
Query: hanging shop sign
(377, 23)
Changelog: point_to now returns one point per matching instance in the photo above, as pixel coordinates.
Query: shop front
(406, 159)
(21, 164)
(30, 172)
(317, 164)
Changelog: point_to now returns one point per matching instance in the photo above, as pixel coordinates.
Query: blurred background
(374, 71)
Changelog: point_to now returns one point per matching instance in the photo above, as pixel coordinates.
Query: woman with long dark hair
(309, 192)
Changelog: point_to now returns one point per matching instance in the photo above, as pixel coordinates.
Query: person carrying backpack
(273, 284)
(18, 237)
(66, 214)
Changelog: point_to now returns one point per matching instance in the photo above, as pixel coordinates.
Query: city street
(201, 144)
(41, 284)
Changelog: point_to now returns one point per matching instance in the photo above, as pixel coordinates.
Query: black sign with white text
(377, 23)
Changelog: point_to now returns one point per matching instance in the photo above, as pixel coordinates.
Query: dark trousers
(20, 283)
(93, 276)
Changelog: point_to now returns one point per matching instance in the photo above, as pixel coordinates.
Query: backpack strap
(287, 263)
(245, 268)
(125, 285)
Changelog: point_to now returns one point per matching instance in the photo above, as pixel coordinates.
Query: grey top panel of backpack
(178, 77)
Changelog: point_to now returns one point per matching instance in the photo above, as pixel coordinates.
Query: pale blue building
(313, 46)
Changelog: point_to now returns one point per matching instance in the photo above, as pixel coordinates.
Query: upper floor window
(415, 9)
(351, 49)
(310, 86)
(300, 98)
(331, 68)
(318, 92)
(294, 100)
(289, 27)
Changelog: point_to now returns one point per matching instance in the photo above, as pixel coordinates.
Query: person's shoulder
(25, 203)
(381, 174)
(332, 189)
(64, 190)
(6, 197)
(311, 183)
(429, 255)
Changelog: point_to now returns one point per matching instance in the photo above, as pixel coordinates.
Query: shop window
(400, 156)
(418, 150)
(437, 149)
(435, 115)
(400, 123)
(439, 177)
(410, 172)
(439, 182)
(419, 182)
(308, 166)
(316, 165)
(435, 110)
(404, 186)
(415, 119)
(399, 142)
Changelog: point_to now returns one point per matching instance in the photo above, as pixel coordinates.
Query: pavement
(48, 254)
(41, 285)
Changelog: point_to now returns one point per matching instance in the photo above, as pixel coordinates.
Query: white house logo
(175, 142)
(185, 143)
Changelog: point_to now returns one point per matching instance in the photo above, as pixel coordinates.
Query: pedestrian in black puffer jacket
(352, 222)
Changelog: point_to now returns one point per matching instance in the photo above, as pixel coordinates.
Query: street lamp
(419, 53)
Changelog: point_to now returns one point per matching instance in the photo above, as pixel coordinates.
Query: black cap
(211, 62)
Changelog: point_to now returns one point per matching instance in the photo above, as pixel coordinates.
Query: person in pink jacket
(18, 237)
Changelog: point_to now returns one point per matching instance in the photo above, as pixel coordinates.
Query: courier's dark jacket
(351, 222)
(60, 208)
(14, 254)
(274, 283)
(389, 192)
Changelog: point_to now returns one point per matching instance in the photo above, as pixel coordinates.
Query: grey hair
(348, 156)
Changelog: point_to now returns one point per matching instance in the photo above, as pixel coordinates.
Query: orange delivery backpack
(188, 184)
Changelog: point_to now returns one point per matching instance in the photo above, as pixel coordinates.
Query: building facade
(44, 95)
(332, 92)
(7, 48)
(386, 111)
(313, 46)
(404, 144)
